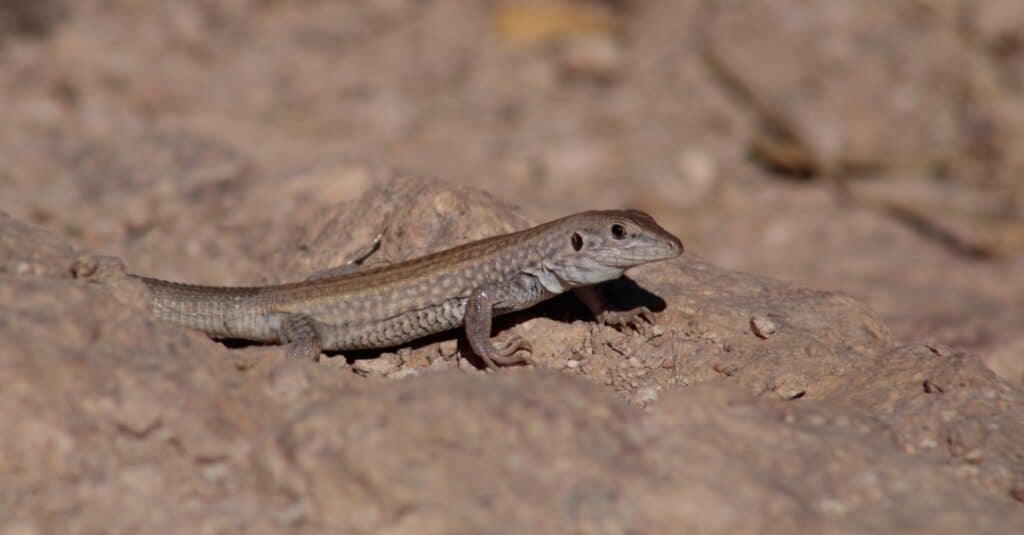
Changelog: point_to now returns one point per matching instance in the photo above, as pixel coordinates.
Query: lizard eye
(618, 231)
(577, 241)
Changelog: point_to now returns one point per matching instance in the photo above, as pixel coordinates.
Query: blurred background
(873, 147)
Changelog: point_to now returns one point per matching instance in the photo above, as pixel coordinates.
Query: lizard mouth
(644, 253)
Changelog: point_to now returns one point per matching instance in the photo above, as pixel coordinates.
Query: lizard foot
(638, 319)
(299, 334)
(504, 352)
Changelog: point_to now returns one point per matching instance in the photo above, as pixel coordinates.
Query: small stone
(725, 369)
(84, 267)
(447, 349)
(645, 395)
(99, 268)
(572, 364)
(384, 364)
(634, 362)
(440, 364)
(216, 471)
(762, 326)
(790, 393)
(403, 373)
(657, 331)
(138, 417)
(598, 58)
(789, 387)
(974, 456)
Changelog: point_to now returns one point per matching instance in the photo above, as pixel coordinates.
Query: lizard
(470, 284)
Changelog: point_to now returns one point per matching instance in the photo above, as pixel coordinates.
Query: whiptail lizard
(469, 284)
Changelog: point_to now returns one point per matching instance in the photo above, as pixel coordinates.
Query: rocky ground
(839, 351)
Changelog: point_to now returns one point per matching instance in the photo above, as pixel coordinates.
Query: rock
(29, 250)
(597, 58)
(380, 366)
(762, 326)
(222, 143)
(119, 421)
(818, 74)
(1008, 361)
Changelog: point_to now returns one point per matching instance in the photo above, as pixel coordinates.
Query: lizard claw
(508, 348)
(638, 319)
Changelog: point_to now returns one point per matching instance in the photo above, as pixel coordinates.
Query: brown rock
(820, 76)
(219, 142)
(108, 411)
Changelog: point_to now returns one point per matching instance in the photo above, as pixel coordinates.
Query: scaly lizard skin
(469, 284)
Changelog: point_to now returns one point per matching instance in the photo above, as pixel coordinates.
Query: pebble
(789, 387)
(384, 364)
(645, 395)
(403, 373)
(790, 393)
(598, 58)
(138, 418)
(974, 456)
(217, 471)
(762, 326)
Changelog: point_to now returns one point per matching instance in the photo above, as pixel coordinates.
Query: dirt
(840, 349)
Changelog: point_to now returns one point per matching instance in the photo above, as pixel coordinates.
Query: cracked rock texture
(839, 351)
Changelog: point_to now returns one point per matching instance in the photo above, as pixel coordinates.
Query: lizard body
(466, 285)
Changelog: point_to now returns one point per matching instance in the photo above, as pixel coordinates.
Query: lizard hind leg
(298, 332)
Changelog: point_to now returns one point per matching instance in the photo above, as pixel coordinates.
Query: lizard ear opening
(577, 241)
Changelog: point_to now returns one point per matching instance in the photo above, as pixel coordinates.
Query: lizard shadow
(621, 294)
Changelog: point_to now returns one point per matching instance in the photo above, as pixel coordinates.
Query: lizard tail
(224, 312)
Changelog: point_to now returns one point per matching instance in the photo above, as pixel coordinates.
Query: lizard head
(600, 245)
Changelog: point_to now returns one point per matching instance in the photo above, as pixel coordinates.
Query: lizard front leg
(478, 318)
(638, 318)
